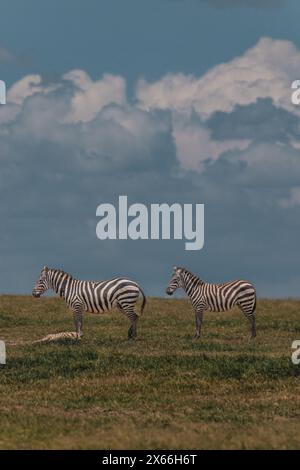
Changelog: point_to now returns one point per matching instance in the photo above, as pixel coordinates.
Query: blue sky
(137, 38)
(165, 101)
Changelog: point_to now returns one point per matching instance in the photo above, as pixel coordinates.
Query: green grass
(162, 391)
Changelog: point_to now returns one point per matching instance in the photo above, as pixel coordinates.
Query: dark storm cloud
(260, 121)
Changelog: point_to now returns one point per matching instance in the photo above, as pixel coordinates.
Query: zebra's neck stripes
(190, 282)
(59, 281)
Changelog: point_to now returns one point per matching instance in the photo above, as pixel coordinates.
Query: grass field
(163, 391)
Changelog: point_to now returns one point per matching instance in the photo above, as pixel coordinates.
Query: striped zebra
(92, 296)
(215, 297)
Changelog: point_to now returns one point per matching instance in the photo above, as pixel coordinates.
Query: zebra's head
(41, 284)
(175, 281)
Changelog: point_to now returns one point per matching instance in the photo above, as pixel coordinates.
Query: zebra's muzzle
(169, 292)
(36, 294)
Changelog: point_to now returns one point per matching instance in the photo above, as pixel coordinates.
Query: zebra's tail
(254, 306)
(144, 301)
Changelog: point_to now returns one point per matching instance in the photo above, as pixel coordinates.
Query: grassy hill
(162, 391)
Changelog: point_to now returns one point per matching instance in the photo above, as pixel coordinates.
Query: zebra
(214, 297)
(92, 296)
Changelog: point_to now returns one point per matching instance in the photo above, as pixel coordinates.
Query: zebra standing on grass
(92, 296)
(215, 297)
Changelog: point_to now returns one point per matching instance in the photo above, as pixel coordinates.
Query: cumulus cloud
(244, 100)
(25, 87)
(195, 144)
(263, 71)
(91, 96)
(17, 94)
(259, 121)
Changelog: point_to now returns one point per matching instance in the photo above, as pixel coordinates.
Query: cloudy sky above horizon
(183, 101)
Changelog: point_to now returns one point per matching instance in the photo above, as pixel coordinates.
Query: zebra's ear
(175, 269)
(45, 268)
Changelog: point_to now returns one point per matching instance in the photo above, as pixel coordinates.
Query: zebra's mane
(60, 271)
(186, 271)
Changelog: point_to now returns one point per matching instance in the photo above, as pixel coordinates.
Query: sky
(185, 101)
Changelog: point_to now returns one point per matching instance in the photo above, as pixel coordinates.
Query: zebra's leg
(198, 320)
(253, 324)
(133, 318)
(251, 317)
(78, 320)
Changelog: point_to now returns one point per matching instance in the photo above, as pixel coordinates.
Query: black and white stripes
(101, 296)
(215, 297)
(92, 296)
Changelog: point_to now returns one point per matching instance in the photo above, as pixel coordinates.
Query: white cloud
(91, 96)
(194, 144)
(265, 70)
(88, 99)
(25, 87)
(17, 94)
